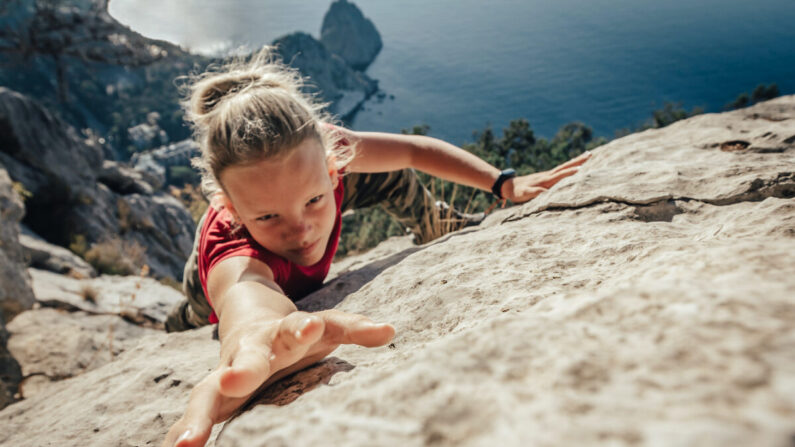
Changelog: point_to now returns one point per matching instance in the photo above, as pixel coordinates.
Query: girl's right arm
(263, 338)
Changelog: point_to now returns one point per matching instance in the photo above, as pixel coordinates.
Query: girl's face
(286, 204)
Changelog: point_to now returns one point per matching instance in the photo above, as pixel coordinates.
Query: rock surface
(16, 294)
(45, 256)
(52, 344)
(347, 33)
(646, 300)
(65, 176)
(340, 85)
(138, 299)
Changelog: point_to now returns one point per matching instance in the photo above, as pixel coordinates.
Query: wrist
(503, 184)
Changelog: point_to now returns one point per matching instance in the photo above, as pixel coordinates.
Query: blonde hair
(249, 110)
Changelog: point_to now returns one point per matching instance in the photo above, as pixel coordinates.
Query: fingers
(347, 328)
(194, 428)
(577, 161)
(529, 194)
(560, 175)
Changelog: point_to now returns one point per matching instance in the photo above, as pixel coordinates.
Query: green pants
(400, 193)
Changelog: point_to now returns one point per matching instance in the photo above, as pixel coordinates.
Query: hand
(261, 353)
(527, 187)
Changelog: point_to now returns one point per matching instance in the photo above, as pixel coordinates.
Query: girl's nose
(298, 229)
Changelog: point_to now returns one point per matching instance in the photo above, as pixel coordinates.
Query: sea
(459, 66)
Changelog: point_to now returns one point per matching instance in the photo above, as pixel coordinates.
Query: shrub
(116, 256)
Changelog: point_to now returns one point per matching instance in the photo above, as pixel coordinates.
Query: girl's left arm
(381, 152)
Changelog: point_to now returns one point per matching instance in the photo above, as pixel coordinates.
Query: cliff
(349, 34)
(646, 300)
(95, 73)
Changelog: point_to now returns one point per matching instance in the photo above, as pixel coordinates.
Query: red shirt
(219, 241)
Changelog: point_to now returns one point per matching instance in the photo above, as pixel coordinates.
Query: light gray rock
(609, 322)
(130, 401)
(43, 255)
(349, 34)
(714, 158)
(137, 299)
(335, 80)
(53, 344)
(69, 199)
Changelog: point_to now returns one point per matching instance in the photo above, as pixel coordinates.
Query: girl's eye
(266, 217)
(315, 199)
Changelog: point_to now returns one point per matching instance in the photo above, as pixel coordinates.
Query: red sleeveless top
(219, 240)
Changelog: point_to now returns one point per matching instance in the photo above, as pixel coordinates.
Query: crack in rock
(663, 208)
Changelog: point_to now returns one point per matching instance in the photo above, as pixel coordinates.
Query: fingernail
(183, 436)
(305, 323)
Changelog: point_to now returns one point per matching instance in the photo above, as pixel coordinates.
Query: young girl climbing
(279, 176)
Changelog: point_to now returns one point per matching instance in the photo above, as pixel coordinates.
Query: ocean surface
(460, 65)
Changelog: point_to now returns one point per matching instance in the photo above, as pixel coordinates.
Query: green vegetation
(113, 256)
(517, 148)
(761, 93)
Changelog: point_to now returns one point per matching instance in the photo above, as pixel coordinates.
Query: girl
(279, 177)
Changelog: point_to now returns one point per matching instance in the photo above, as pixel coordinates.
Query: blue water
(458, 65)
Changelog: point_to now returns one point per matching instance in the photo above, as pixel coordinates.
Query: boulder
(141, 300)
(330, 75)
(129, 401)
(657, 311)
(75, 195)
(123, 180)
(53, 344)
(43, 255)
(347, 33)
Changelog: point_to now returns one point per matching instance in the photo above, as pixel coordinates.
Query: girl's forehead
(274, 183)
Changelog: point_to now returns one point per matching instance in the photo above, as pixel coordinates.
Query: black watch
(504, 175)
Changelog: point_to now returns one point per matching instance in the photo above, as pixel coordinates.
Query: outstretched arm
(263, 338)
(380, 152)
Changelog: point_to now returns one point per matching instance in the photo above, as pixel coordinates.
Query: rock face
(340, 85)
(43, 255)
(349, 34)
(646, 300)
(75, 193)
(15, 292)
(83, 65)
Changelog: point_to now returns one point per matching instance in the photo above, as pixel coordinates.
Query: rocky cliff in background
(97, 74)
(75, 195)
(344, 87)
(347, 33)
(645, 301)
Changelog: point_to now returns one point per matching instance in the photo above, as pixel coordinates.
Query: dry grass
(436, 225)
(116, 256)
(89, 293)
(192, 198)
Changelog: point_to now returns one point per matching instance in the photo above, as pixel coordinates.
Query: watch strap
(496, 189)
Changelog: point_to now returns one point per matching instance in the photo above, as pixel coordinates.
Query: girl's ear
(221, 200)
(333, 173)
